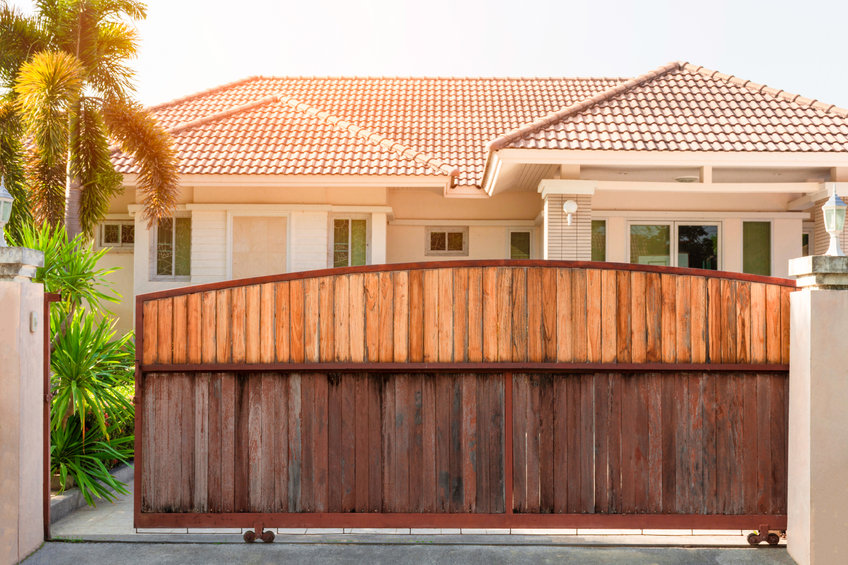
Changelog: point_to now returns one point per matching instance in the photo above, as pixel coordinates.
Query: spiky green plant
(65, 76)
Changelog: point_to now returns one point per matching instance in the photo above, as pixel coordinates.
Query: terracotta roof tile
(445, 126)
(683, 107)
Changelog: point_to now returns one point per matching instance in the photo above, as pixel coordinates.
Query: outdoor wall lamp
(834, 221)
(6, 211)
(570, 208)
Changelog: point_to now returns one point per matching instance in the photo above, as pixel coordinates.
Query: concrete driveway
(67, 553)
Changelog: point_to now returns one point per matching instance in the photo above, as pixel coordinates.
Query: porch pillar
(21, 404)
(561, 241)
(818, 411)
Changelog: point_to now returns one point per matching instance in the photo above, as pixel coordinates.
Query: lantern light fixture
(834, 221)
(570, 208)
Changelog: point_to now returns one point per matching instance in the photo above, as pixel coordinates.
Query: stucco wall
(122, 283)
(21, 431)
(259, 246)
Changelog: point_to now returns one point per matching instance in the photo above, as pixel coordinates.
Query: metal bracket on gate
(251, 536)
(763, 535)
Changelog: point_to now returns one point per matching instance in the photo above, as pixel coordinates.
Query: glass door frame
(674, 237)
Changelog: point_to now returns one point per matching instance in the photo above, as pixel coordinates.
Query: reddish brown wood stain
(445, 428)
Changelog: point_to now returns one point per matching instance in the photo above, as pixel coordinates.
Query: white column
(818, 412)
(378, 238)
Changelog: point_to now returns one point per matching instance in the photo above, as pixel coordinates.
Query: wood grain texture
(481, 314)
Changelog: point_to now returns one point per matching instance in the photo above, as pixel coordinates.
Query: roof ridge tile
(372, 137)
(541, 123)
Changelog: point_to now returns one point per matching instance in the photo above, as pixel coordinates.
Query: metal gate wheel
(773, 539)
(753, 538)
(250, 536)
(268, 536)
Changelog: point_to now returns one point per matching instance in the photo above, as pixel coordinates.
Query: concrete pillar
(21, 404)
(818, 411)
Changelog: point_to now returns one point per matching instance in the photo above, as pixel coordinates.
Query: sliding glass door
(676, 244)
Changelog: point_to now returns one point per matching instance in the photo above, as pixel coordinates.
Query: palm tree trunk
(73, 197)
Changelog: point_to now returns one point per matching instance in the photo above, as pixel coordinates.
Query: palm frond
(108, 72)
(20, 37)
(47, 86)
(47, 188)
(138, 134)
(12, 166)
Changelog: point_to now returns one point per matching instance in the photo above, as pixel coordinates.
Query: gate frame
(506, 519)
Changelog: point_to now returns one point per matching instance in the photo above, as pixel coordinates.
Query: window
(756, 248)
(446, 241)
(519, 245)
(805, 244)
(173, 247)
(599, 240)
(117, 235)
(350, 242)
(675, 244)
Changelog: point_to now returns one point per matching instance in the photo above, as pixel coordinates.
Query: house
(682, 166)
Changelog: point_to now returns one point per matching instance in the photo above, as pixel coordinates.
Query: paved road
(55, 553)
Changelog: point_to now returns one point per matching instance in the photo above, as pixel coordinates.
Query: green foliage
(70, 267)
(90, 370)
(88, 457)
(64, 71)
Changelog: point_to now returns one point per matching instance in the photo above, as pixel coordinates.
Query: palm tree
(69, 93)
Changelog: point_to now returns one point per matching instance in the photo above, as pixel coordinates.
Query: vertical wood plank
(193, 322)
(372, 316)
(475, 315)
(535, 327)
(549, 314)
(519, 442)
(519, 315)
(698, 320)
(320, 451)
(307, 443)
(242, 464)
(750, 441)
(564, 308)
(311, 326)
(237, 324)
(401, 316)
(223, 343)
(150, 329)
(200, 449)
(623, 312)
(386, 315)
(257, 450)
(416, 442)
(784, 324)
(326, 323)
(490, 314)
(682, 327)
(252, 323)
(668, 339)
(295, 443)
(653, 317)
(545, 416)
(728, 321)
(228, 440)
(594, 315)
(460, 315)
(416, 316)
(282, 325)
(714, 320)
(431, 315)
(779, 462)
(297, 322)
(743, 322)
(560, 447)
(335, 459)
(773, 334)
(504, 313)
(444, 387)
(758, 323)
(638, 333)
(341, 315)
(655, 446)
(428, 458)
(361, 462)
(208, 327)
(215, 419)
(579, 314)
(165, 336)
(469, 439)
(444, 314)
(277, 426)
(375, 443)
(347, 450)
(356, 333)
(608, 344)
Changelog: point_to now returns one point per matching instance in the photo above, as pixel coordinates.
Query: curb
(61, 505)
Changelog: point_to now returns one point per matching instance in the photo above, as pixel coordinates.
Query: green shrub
(92, 370)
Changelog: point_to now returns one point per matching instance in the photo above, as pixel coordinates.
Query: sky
(191, 45)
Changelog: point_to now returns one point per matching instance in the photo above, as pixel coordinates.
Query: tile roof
(391, 126)
(447, 126)
(684, 107)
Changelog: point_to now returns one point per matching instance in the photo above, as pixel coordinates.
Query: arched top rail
(468, 313)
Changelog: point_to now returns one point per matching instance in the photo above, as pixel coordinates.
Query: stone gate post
(21, 404)
(818, 411)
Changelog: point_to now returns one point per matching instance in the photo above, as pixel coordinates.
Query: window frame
(446, 229)
(527, 230)
(331, 237)
(120, 247)
(674, 237)
(605, 220)
(154, 249)
(768, 221)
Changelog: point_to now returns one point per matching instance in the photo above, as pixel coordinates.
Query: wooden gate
(473, 394)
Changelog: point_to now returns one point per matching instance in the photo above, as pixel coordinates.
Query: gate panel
(319, 443)
(638, 443)
(465, 394)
